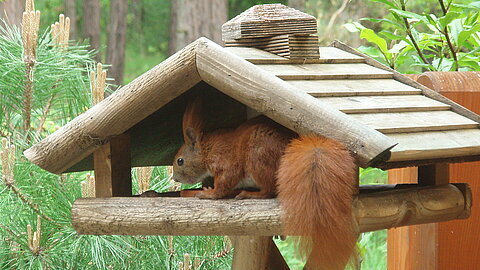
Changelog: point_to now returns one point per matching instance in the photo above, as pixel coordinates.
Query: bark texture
(193, 19)
(374, 209)
(116, 39)
(11, 11)
(71, 12)
(91, 25)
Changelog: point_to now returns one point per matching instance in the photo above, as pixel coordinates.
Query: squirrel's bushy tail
(316, 182)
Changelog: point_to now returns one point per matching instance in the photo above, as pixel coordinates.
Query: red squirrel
(312, 176)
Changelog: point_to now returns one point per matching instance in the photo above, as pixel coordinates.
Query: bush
(412, 42)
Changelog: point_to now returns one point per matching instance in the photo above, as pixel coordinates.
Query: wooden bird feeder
(268, 67)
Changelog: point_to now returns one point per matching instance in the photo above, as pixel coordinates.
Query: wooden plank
(415, 121)
(373, 87)
(326, 71)
(284, 41)
(262, 217)
(422, 162)
(327, 55)
(435, 144)
(382, 104)
(278, 100)
(252, 53)
(404, 79)
(112, 167)
(458, 241)
(117, 113)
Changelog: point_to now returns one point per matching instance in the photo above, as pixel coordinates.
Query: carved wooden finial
(275, 28)
(268, 20)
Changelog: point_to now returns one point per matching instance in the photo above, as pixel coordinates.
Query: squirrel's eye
(180, 161)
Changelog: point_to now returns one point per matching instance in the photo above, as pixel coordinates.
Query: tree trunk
(71, 12)
(138, 21)
(193, 19)
(116, 39)
(297, 4)
(91, 25)
(11, 11)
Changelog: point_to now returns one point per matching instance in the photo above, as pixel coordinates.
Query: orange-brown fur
(313, 176)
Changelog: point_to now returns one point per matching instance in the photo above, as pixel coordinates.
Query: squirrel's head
(188, 165)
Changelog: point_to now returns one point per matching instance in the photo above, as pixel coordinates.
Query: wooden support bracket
(112, 166)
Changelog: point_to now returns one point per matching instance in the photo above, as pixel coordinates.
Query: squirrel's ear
(193, 116)
(191, 136)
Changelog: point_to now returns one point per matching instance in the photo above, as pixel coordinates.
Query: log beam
(117, 113)
(192, 216)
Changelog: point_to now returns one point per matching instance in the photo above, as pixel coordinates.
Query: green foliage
(60, 78)
(60, 85)
(411, 42)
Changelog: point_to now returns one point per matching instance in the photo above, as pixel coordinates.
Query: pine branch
(30, 204)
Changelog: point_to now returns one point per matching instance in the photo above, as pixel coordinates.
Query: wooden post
(416, 247)
(435, 174)
(258, 252)
(112, 164)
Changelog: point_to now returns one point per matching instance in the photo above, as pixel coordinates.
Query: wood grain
(191, 216)
(435, 144)
(278, 100)
(404, 79)
(255, 253)
(384, 104)
(117, 113)
(400, 241)
(325, 71)
(365, 87)
(291, 46)
(458, 243)
(415, 121)
(416, 247)
(112, 165)
(268, 20)
(328, 55)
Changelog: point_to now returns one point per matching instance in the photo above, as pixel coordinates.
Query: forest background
(43, 88)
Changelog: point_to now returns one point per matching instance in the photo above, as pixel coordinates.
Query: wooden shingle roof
(150, 109)
(427, 127)
(343, 95)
